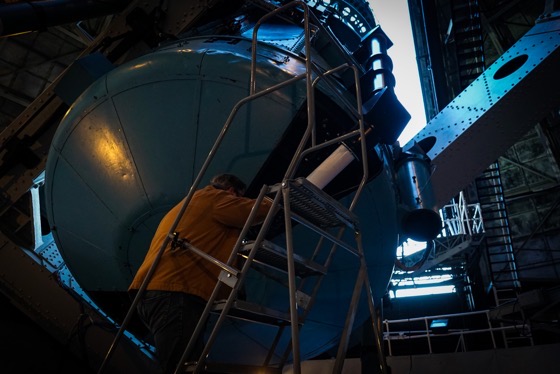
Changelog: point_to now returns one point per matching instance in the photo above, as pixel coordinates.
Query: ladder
(300, 201)
(304, 203)
(503, 268)
(498, 241)
(499, 250)
(468, 40)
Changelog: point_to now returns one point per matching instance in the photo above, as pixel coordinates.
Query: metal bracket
(302, 299)
(228, 279)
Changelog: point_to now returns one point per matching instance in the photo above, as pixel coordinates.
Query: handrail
(237, 286)
(308, 74)
(301, 152)
(428, 334)
(186, 246)
(349, 58)
(183, 208)
(310, 83)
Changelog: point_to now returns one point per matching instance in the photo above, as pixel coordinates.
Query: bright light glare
(410, 247)
(421, 291)
(394, 18)
(427, 280)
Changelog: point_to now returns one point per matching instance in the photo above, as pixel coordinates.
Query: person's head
(229, 182)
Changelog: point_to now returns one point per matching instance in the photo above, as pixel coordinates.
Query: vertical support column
(294, 318)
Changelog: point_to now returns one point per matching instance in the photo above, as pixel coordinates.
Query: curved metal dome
(131, 145)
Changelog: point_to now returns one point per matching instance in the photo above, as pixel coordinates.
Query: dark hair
(225, 181)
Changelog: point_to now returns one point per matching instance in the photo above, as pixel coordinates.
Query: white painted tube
(331, 167)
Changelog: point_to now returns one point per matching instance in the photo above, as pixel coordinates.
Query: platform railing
(394, 331)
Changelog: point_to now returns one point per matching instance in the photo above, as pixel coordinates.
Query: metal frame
(390, 335)
(284, 194)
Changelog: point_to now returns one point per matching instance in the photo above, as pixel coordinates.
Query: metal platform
(312, 204)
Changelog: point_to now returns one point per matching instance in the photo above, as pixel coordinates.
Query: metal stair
(468, 40)
(304, 203)
(270, 255)
(500, 255)
(322, 212)
(309, 206)
(498, 239)
(299, 202)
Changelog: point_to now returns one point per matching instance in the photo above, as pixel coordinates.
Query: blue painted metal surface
(512, 95)
(131, 145)
(128, 148)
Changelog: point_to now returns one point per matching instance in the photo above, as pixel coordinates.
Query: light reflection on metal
(139, 66)
(112, 155)
(420, 220)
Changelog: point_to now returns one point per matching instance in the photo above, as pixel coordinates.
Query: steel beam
(516, 92)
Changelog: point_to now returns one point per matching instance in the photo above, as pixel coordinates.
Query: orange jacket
(211, 223)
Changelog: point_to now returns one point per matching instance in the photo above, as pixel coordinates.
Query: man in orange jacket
(182, 283)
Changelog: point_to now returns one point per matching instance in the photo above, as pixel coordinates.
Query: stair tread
(272, 255)
(470, 54)
(253, 312)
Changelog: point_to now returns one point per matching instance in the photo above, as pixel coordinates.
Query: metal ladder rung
(491, 200)
(475, 65)
(484, 179)
(500, 253)
(468, 34)
(503, 275)
(474, 44)
(495, 217)
(488, 186)
(504, 245)
(491, 211)
(500, 263)
(463, 7)
(491, 169)
(497, 238)
(495, 195)
(508, 280)
(497, 227)
(506, 250)
(464, 55)
(253, 312)
(497, 233)
(274, 256)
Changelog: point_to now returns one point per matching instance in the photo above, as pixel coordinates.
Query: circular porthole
(511, 66)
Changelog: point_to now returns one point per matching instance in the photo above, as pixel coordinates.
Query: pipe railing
(429, 334)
